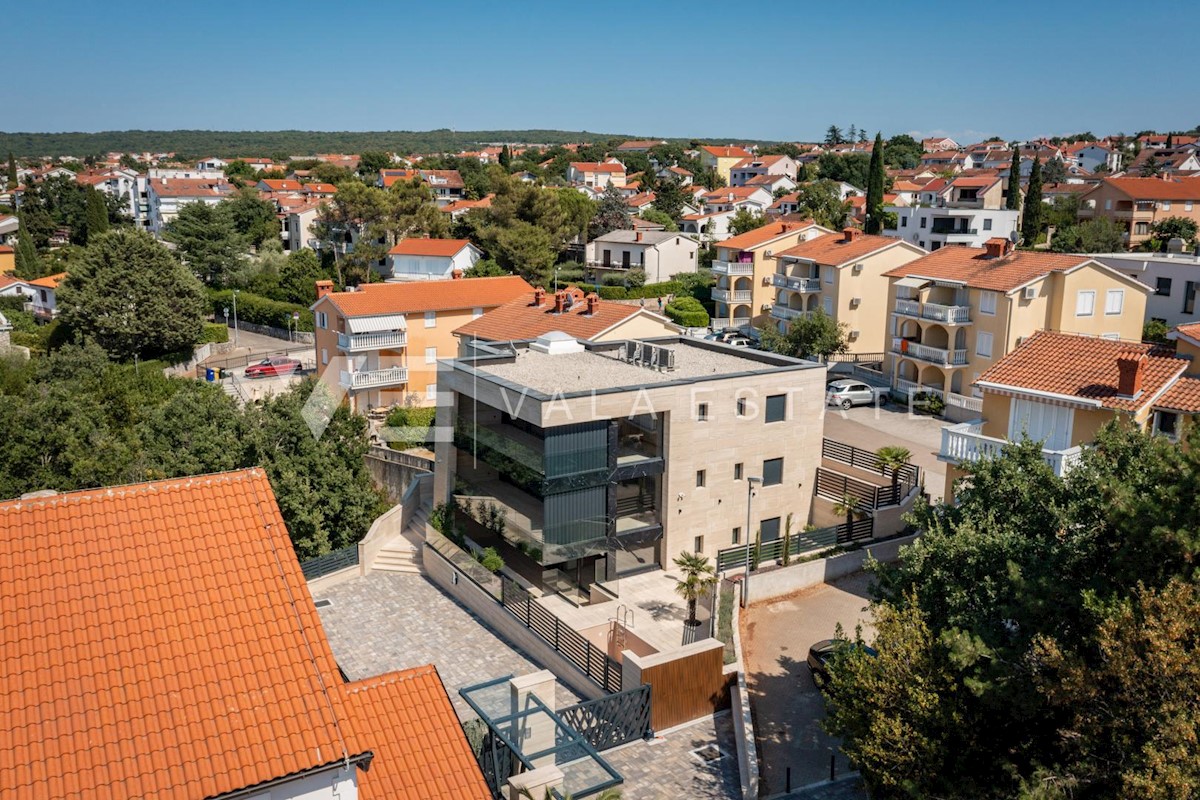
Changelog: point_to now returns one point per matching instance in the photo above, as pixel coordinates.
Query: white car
(846, 392)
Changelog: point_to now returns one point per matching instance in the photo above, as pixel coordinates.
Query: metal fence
(591, 660)
(330, 562)
(798, 544)
(612, 720)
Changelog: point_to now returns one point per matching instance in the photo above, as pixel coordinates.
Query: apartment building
(1173, 278)
(1136, 204)
(661, 254)
(165, 196)
(722, 158)
(744, 269)
(609, 459)
(363, 338)
(1060, 389)
(841, 274)
(597, 174)
(748, 169)
(964, 210)
(956, 312)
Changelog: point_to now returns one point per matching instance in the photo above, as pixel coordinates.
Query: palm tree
(699, 578)
(893, 458)
(848, 505)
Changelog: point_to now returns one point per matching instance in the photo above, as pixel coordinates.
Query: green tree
(875, 179)
(744, 220)
(902, 152)
(27, 262)
(834, 136)
(97, 214)
(298, 277)
(611, 213)
(1155, 330)
(852, 168)
(1100, 235)
(1170, 228)
(12, 171)
(132, 297)
(1031, 217)
(1055, 171)
(1012, 200)
(669, 198)
(698, 581)
(822, 201)
(893, 458)
(816, 335)
(207, 241)
(240, 169)
(505, 157)
(356, 227)
(370, 162)
(1151, 168)
(253, 218)
(662, 218)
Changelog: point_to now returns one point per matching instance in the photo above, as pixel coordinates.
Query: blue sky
(654, 68)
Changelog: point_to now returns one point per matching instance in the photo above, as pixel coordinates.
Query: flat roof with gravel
(602, 368)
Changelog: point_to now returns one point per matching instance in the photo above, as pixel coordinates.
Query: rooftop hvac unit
(1030, 292)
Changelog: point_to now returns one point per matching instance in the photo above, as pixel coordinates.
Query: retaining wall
(786, 580)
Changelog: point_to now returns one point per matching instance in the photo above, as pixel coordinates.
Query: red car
(273, 367)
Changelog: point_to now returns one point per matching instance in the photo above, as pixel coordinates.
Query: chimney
(638, 236)
(560, 301)
(850, 234)
(1131, 364)
(996, 247)
(593, 303)
(539, 296)
(324, 288)
(456, 274)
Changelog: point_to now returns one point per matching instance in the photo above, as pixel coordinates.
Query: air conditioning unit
(857, 268)
(767, 306)
(1020, 340)
(855, 334)
(1030, 292)
(767, 280)
(854, 301)
(768, 253)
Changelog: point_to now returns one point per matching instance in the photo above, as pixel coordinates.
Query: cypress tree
(505, 157)
(875, 188)
(28, 262)
(1031, 220)
(97, 214)
(12, 171)
(1013, 201)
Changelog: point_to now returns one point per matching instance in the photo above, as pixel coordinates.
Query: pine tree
(28, 262)
(833, 135)
(12, 171)
(97, 214)
(1013, 201)
(852, 134)
(875, 188)
(862, 135)
(1031, 220)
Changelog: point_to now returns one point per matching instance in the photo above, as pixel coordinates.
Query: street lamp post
(750, 481)
(235, 324)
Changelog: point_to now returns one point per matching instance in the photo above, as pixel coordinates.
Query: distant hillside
(198, 144)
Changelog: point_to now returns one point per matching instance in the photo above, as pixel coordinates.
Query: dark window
(776, 408)
(1189, 297)
(772, 473)
(737, 536)
(702, 412)
(769, 529)
(1162, 286)
(1166, 422)
(701, 478)
(923, 221)
(699, 544)
(737, 471)
(741, 407)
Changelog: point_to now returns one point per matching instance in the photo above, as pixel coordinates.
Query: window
(702, 412)
(701, 479)
(737, 536)
(1114, 301)
(1187, 205)
(324, 355)
(430, 319)
(1085, 303)
(987, 223)
(983, 344)
(1189, 297)
(772, 473)
(1108, 205)
(923, 221)
(768, 529)
(430, 355)
(828, 306)
(322, 320)
(1166, 205)
(431, 392)
(741, 407)
(1141, 228)
(698, 545)
(1166, 423)
(776, 408)
(737, 471)
(1162, 286)
(828, 273)
(904, 222)
(476, 313)
(987, 303)
(921, 243)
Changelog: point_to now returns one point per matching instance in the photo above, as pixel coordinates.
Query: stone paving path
(668, 767)
(389, 621)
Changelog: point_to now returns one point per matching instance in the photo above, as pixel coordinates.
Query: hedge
(214, 332)
(633, 293)
(688, 312)
(259, 310)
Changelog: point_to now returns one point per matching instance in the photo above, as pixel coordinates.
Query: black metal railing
(330, 562)
(799, 544)
(906, 478)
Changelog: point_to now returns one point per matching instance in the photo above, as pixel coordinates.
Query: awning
(912, 283)
(382, 322)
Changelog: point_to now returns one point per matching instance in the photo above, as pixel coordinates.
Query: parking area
(871, 428)
(788, 707)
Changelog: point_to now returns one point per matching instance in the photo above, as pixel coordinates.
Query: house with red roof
(597, 174)
(416, 259)
(721, 158)
(746, 170)
(935, 144)
(967, 209)
(661, 254)
(165, 196)
(1136, 204)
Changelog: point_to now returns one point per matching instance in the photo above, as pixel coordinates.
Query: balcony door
(1041, 422)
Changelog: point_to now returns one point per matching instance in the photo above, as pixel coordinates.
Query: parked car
(847, 392)
(273, 367)
(820, 654)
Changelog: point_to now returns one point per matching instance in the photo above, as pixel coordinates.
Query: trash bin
(209, 374)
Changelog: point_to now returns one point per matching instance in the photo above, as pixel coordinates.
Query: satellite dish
(1013, 237)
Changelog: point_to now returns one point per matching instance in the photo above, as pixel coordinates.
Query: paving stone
(668, 767)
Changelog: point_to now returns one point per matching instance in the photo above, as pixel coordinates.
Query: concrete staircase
(403, 553)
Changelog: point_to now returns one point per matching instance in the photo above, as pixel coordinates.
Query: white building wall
(915, 225)
(334, 784)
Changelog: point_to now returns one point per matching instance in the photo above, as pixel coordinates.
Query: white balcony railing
(965, 443)
(732, 268)
(358, 342)
(733, 295)
(909, 308)
(375, 378)
(934, 355)
(950, 315)
(795, 284)
(783, 312)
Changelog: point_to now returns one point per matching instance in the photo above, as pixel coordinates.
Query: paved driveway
(788, 707)
(872, 428)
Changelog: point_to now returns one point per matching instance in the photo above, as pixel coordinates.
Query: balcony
(375, 378)
(803, 285)
(935, 312)
(932, 355)
(733, 296)
(783, 312)
(732, 267)
(965, 443)
(360, 342)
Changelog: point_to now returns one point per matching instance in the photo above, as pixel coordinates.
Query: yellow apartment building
(1136, 204)
(958, 311)
(722, 158)
(841, 274)
(381, 343)
(745, 269)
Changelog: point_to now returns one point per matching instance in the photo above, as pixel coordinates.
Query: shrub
(1154, 331)
(410, 427)
(490, 560)
(214, 332)
(259, 310)
(619, 292)
(688, 312)
(636, 278)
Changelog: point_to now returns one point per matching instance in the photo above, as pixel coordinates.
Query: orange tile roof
(521, 319)
(442, 248)
(834, 250)
(373, 299)
(5, 249)
(730, 151)
(1190, 330)
(730, 192)
(760, 236)
(320, 188)
(1084, 367)
(970, 265)
(1156, 188)
(49, 282)
(282, 185)
(597, 166)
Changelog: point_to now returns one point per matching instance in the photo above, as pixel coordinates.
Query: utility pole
(235, 322)
(750, 481)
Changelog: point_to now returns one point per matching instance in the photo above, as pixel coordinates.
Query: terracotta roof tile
(833, 249)
(418, 296)
(1084, 367)
(760, 236)
(1190, 330)
(521, 319)
(1184, 395)
(730, 151)
(443, 248)
(971, 265)
(1156, 188)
